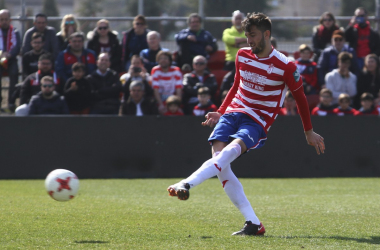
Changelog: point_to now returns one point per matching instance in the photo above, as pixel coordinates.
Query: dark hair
(326, 91)
(259, 20)
(366, 97)
(138, 57)
(377, 60)
(77, 34)
(40, 15)
(78, 66)
(204, 91)
(37, 35)
(166, 53)
(345, 57)
(141, 18)
(192, 15)
(326, 14)
(273, 41)
(46, 56)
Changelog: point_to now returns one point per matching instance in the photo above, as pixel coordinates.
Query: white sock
(235, 192)
(215, 165)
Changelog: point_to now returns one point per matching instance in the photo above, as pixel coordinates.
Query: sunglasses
(47, 85)
(69, 22)
(200, 63)
(338, 39)
(140, 24)
(327, 19)
(102, 27)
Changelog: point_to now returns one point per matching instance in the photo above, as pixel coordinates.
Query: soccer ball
(62, 184)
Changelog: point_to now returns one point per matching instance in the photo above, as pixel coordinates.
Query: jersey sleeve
(232, 92)
(292, 77)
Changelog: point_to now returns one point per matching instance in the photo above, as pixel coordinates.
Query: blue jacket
(66, 59)
(329, 61)
(204, 38)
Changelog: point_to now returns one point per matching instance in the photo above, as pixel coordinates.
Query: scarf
(362, 48)
(11, 39)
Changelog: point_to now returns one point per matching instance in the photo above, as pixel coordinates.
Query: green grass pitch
(326, 213)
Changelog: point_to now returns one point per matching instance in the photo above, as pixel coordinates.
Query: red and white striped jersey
(166, 82)
(260, 86)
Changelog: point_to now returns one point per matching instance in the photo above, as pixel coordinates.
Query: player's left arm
(294, 83)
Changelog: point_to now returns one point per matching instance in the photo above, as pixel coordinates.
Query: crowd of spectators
(65, 74)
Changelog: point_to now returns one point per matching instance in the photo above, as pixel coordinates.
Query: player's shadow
(91, 242)
(371, 240)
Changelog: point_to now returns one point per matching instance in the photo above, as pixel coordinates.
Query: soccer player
(262, 78)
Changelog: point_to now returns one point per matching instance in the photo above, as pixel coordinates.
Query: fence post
(23, 16)
(377, 15)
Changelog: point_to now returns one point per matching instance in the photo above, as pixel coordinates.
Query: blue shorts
(239, 126)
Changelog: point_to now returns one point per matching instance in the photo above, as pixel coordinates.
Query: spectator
(329, 57)
(273, 42)
(10, 44)
(30, 58)
(40, 26)
(134, 41)
(223, 95)
(369, 79)
(205, 104)
(32, 84)
(137, 104)
(166, 80)
(149, 55)
(194, 41)
(362, 37)
(368, 105)
(325, 106)
(69, 25)
(308, 70)
(77, 91)
(75, 52)
(136, 72)
(228, 81)
(48, 102)
(341, 80)
(200, 77)
(104, 40)
(234, 39)
(106, 88)
(290, 106)
(322, 33)
(344, 106)
(173, 105)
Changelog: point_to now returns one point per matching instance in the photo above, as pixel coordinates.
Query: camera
(360, 19)
(136, 69)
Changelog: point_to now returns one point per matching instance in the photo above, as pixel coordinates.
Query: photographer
(136, 72)
(362, 37)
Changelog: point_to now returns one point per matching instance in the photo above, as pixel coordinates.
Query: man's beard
(260, 47)
(48, 94)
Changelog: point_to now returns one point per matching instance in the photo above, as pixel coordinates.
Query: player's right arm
(212, 118)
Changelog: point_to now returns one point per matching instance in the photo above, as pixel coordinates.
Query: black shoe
(251, 229)
(180, 189)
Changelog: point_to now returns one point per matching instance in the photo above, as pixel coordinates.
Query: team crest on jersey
(296, 75)
(270, 69)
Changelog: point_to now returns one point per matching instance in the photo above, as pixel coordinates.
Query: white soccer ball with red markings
(62, 184)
